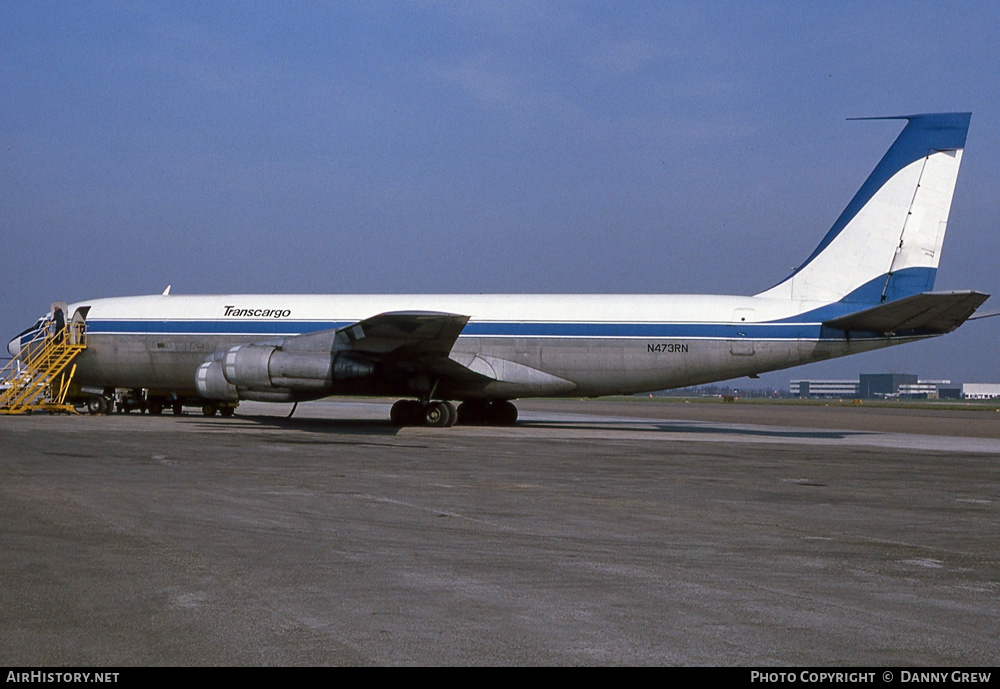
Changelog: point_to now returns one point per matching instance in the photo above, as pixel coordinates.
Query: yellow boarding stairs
(37, 379)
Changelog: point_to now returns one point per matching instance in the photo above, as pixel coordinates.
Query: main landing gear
(414, 413)
(444, 414)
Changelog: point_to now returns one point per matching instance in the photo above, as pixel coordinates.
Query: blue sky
(477, 147)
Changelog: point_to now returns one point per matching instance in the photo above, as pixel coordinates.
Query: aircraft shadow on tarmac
(386, 428)
(313, 425)
(694, 429)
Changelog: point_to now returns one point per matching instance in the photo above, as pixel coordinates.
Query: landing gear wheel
(435, 415)
(432, 414)
(208, 409)
(155, 408)
(452, 414)
(178, 408)
(472, 413)
(401, 413)
(439, 414)
(407, 413)
(415, 412)
(227, 412)
(501, 413)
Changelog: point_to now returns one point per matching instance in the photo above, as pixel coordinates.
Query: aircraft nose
(14, 346)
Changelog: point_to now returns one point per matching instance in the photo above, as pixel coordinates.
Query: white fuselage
(525, 345)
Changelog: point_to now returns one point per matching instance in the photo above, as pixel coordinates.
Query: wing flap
(933, 312)
(505, 374)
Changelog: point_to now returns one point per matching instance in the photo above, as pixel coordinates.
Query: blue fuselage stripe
(269, 328)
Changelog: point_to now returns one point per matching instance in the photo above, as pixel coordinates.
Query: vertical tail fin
(887, 243)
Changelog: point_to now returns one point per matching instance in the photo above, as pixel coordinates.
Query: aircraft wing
(935, 312)
(403, 333)
(413, 341)
(394, 350)
(401, 342)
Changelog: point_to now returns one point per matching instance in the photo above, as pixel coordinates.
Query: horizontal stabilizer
(935, 312)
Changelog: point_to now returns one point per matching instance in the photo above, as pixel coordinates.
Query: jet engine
(277, 373)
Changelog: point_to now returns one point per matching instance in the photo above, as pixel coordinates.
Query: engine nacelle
(277, 396)
(245, 366)
(212, 384)
(265, 367)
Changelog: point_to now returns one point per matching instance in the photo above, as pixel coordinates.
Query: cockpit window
(36, 326)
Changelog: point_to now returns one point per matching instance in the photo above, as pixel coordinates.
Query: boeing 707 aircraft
(867, 285)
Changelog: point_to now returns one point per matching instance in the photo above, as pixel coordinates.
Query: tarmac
(591, 533)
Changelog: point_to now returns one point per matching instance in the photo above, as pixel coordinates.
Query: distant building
(980, 391)
(823, 388)
(871, 386)
(922, 389)
(949, 393)
(882, 385)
